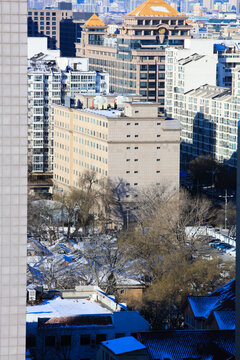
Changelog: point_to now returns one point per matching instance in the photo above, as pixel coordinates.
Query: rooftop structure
(77, 322)
(123, 348)
(94, 21)
(154, 8)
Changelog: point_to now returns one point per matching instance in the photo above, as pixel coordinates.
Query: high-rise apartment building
(125, 142)
(48, 84)
(185, 71)
(13, 178)
(47, 22)
(208, 116)
(135, 61)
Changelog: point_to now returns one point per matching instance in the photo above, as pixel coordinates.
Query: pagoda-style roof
(94, 21)
(155, 8)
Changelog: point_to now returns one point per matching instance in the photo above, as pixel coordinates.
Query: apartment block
(13, 179)
(209, 118)
(185, 71)
(127, 143)
(135, 58)
(48, 84)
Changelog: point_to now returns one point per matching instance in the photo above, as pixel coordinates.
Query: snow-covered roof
(123, 345)
(58, 307)
(225, 319)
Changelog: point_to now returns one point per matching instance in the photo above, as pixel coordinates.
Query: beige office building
(131, 145)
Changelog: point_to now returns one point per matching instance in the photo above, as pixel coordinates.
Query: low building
(122, 349)
(130, 144)
(77, 322)
(215, 311)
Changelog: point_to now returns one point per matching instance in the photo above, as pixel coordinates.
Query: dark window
(31, 341)
(66, 340)
(85, 339)
(140, 22)
(29, 13)
(134, 335)
(100, 338)
(53, 14)
(49, 340)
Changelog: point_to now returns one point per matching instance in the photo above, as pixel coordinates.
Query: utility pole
(225, 217)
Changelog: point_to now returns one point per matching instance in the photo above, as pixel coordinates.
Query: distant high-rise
(135, 58)
(208, 4)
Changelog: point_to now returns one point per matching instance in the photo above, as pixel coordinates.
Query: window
(49, 340)
(158, 171)
(136, 172)
(157, 159)
(128, 123)
(158, 147)
(136, 123)
(135, 184)
(66, 340)
(127, 159)
(128, 147)
(135, 159)
(136, 135)
(127, 184)
(128, 136)
(119, 335)
(85, 339)
(158, 135)
(100, 338)
(127, 172)
(31, 341)
(136, 148)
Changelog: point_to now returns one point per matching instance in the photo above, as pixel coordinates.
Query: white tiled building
(13, 178)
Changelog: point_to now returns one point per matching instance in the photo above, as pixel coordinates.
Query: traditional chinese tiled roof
(155, 8)
(225, 319)
(189, 344)
(94, 21)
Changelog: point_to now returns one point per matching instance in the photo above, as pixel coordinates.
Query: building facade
(13, 179)
(208, 116)
(46, 22)
(48, 84)
(135, 59)
(73, 326)
(129, 145)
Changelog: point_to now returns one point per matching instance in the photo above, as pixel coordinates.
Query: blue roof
(221, 299)
(123, 345)
(202, 305)
(225, 319)
(189, 344)
(65, 248)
